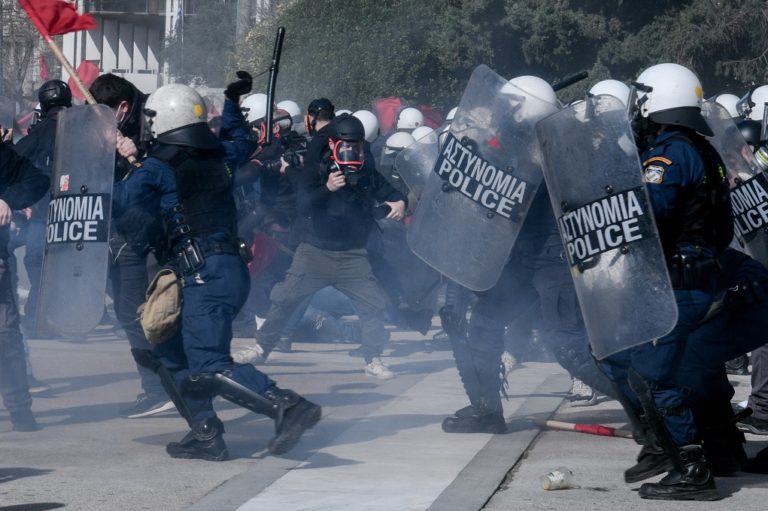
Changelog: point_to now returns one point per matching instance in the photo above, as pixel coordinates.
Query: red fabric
(43, 68)
(595, 429)
(432, 117)
(88, 72)
(263, 249)
(386, 110)
(56, 17)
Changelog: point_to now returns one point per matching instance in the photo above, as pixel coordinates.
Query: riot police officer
(198, 208)
(685, 179)
(54, 96)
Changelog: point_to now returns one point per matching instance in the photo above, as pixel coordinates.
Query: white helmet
(409, 119)
(423, 132)
(291, 107)
(755, 103)
(728, 101)
(254, 107)
(531, 86)
(344, 111)
(370, 123)
(675, 97)
(174, 106)
(615, 88)
(397, 142)
(451, 114)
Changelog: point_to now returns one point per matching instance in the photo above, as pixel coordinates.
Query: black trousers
(13, 370)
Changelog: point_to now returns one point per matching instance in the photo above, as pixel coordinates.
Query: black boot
(204, 442)
(23, 420)
(651, 461)
(739, 366)
(694, 482)
(486, 423)
(294, 415)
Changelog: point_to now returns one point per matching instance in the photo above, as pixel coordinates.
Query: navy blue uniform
(686, 184)
(214, 293)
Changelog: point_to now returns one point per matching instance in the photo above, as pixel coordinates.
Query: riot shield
(415, 163)
(595, 183)
(749, 186)
(76, 255)
(7, 113)
(386, 167)
(480, 188)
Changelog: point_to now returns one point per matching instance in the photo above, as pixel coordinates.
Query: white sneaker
(252, 355)
(377, 369)
(582, 394)
(509, 362)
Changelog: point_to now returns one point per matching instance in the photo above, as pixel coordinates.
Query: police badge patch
(654, 174)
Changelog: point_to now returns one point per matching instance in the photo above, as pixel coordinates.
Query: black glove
(241, 86)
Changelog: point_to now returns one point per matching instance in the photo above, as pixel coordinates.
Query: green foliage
(424, 51)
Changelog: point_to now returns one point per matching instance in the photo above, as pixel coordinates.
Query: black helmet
(321, 104)
(751, 131)
(346, 127)
(54, 93)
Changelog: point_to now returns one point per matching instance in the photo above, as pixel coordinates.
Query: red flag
(56, 17)
(88, 72)
(386, 111)
(43, 68)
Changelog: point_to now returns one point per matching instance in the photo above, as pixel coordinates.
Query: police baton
(568, 81)
(273, 70)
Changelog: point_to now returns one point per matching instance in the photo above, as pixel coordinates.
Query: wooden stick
(80, 85)
(72, 72)
(591, 429)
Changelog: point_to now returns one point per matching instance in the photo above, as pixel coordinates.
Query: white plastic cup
(560, 478)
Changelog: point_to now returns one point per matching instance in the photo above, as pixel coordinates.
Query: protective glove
(238, 88)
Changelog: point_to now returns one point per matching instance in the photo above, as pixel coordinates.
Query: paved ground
(379, 445)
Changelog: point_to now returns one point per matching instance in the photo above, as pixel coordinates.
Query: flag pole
(68, 67)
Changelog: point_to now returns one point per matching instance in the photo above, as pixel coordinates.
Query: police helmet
(519, 87)
(729, 102)
(175, 114)
(291, 107)
(398, 141)
(409, 118)
(423, 132)
(254, 107)
(674, 98)
(752, 106)
(344, 111)
(615, 88)
(370, 123)
(54, 93)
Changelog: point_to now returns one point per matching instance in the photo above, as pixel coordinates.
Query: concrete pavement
(379, 445)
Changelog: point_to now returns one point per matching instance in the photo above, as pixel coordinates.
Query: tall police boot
(204, 442)
(694, 482)
(293, 416)
(482, 382)
(651, 461)
(722, 441)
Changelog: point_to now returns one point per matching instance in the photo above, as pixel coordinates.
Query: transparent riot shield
(596, 187)
(386, 167)
(76, 255)
(414, 164)
(482, 184)
(749, 186)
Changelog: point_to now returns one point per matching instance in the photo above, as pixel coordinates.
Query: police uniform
(685, 179)
(201, 244)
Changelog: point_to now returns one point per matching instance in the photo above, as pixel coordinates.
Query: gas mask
(348, 157)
